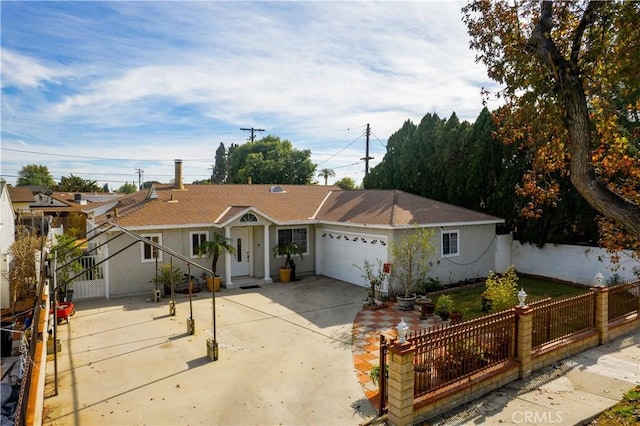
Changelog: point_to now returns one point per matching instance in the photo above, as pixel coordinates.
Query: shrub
(502, 290)
(444, 306)
(429, 285)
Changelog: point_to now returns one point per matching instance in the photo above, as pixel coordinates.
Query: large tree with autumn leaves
(570, 78)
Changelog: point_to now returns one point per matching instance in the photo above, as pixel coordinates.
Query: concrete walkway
(572, 392)
(285, 358)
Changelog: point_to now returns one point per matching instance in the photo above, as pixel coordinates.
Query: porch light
(402, 330)
(522, 296)
(599, 278)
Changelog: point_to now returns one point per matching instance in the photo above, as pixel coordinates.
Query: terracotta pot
(213, 284)
(455, 317)
(284, 275)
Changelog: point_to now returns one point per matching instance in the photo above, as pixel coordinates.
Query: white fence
(91, 283)
(578, 264)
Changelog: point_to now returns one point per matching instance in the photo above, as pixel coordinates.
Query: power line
(342, 150)
(86, 157)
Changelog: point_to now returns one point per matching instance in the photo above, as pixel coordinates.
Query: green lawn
(468, 300)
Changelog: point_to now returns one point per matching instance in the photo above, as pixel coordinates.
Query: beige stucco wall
(477, 247)
(128, 274)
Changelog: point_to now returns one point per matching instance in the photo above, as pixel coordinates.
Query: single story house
(336, 229)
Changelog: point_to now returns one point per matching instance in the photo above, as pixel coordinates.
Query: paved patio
(286, 357)
(367, 327)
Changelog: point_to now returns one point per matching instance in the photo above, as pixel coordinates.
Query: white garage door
(339, 251)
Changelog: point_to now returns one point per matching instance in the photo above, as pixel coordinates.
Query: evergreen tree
(221, 165)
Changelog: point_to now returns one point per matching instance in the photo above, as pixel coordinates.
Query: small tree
(216, 246)
(375, 279)
(345, 183)
(127, 188)
(410, 258)
(168, 274)
(502, 291)
(22, 271)
(287, 249)
(66, 253)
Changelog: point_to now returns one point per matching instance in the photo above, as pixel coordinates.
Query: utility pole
(213, 170)
(140, 173)
(253, 132)
(366, 157)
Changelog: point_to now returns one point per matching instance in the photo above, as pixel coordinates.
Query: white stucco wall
(7, 237)
(576, 264)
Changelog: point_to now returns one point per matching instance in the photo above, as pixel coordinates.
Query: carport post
(212, 344)
(172, 303)
(191, 323)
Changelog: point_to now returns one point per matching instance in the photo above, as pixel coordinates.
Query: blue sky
(100, 89)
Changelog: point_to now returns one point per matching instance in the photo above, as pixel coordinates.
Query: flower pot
(284, 275)
(455, 317)
(406, 303)
(213, 284)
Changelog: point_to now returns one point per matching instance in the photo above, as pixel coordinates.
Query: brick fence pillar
(602, 312)
(401, 383)
(524, 314)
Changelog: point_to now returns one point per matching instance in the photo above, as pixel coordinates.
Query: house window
(248, 217)
(197, 238)
(150, 253)
(450, 246)
(296, 235)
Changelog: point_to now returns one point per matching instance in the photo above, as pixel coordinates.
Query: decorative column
(524, 316)
(267, 255)
(602, 312)
(401, 382)
(227, 259)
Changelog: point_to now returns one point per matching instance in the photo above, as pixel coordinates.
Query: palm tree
(326, 174)
(214, 248)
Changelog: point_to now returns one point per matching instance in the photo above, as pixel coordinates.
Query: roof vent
(276, 189)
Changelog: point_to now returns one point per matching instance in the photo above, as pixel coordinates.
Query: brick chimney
(177, 182)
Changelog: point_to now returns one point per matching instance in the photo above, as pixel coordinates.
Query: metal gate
(91, 282)
(382, 383)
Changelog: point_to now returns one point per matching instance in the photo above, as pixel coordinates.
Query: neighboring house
(7, 237)
(336, 229)
(41, 209)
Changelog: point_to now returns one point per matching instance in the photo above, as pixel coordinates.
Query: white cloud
(150, 75)
(23, 71)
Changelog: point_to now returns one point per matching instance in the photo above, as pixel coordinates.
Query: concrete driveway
(285, 358)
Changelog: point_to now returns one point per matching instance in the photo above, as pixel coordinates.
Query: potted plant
(216, 246)
(410, 257)
(168, 274)
(444, 306)
(66, 252)
(287, 272)
(374, 373)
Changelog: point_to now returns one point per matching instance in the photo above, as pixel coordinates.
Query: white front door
(240, 261)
